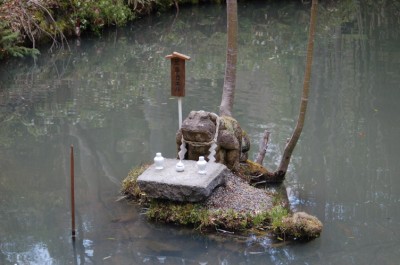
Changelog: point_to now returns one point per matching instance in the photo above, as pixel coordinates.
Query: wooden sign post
(178, 79)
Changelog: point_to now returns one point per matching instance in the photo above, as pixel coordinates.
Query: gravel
(239, 196)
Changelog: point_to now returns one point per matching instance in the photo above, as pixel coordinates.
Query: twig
(62, 36)
(29, 31)
(224, 231)
(256, 177)
(27, 27)
(258, 183)
(120, 198)
(177, 7)
(31, 25)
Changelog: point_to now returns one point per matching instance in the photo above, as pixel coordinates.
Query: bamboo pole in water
(72, 193)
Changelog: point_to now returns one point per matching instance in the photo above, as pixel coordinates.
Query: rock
(229, 142)
(301, 225)
(244, 155)
(186, 186)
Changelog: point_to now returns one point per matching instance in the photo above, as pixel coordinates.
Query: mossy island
(236, 206)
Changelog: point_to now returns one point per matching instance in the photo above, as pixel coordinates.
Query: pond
(110, 97)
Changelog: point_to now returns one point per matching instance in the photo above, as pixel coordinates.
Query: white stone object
(159, 161)
(186, 186)
(201, 165)
(180, 167)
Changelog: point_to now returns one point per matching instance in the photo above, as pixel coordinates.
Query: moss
(261, 220)
(228, 123)
(300, 225)
(250, 169)
(277, 214)
(198, 216)
(129, 184)
(178, 213)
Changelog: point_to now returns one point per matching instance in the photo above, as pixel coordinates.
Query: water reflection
(110, 98)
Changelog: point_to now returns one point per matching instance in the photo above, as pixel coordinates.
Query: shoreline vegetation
(236, 208)
(25, 25)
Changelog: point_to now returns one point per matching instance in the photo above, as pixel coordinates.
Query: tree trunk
(287, 153)
(228, 92)
(263, 147)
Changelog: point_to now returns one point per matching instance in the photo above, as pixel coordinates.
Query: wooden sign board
(178, 73)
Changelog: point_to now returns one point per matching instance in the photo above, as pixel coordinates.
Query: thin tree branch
(62, 36)
(287, 153)
(29, 30)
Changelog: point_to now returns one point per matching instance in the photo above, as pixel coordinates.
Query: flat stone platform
(186, 186)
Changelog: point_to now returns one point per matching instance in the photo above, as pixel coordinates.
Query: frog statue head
(201, 129)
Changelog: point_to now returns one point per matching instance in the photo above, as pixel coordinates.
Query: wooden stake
(72, 193)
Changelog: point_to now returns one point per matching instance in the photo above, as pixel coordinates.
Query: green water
(110, 98)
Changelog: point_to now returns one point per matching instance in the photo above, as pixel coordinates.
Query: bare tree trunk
(228, 92)
(287, 153)
(263, 147)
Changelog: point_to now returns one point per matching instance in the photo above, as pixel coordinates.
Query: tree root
(255, 173)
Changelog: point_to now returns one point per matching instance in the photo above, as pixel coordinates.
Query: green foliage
(9, 44)
(277, 214)
(261, 219)
(94, 15)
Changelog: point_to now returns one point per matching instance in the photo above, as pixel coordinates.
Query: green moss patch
(129, 184)
(300, 225)
(204, 219)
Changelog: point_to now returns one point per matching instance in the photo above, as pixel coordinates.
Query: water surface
(109, 97)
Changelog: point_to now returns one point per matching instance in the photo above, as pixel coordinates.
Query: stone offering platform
(186, 186)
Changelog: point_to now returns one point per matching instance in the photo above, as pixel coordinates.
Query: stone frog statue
(201, 129)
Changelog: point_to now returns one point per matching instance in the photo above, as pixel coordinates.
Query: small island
(228, 204)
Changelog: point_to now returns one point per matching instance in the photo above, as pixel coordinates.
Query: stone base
(186, 186)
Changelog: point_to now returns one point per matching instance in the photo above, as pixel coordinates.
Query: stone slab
(187, 186)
